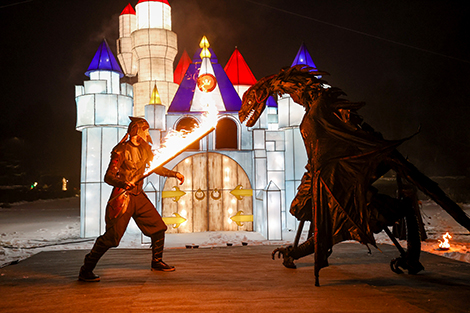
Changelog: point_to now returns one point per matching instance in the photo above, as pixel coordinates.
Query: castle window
(226, 134)
(188, 123)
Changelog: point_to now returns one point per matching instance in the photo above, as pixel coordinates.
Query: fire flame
(445, 244)
(176, 142)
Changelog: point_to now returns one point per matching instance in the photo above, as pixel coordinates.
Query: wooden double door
(208, 202)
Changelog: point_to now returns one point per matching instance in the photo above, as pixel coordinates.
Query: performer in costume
(129, 159)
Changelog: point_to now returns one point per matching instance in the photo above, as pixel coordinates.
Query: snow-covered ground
(31, 227)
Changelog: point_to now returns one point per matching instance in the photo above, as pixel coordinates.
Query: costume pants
(142, 211)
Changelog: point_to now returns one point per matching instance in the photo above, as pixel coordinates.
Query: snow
(28, 228)
(437, 223)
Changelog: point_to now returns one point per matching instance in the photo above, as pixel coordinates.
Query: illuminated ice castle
(237, 178)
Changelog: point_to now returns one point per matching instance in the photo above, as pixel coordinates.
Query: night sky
(408, 60)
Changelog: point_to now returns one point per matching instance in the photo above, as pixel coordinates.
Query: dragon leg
(410, 259)
(429, 187)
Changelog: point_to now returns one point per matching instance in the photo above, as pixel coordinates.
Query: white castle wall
(103, 110)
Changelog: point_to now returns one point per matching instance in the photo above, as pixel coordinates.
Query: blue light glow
(104, 60)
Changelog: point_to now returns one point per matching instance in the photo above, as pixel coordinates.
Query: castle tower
(291, 113)
(147, 48)
(127, 24)
(103, 109)
(290, 116)
(155, 116)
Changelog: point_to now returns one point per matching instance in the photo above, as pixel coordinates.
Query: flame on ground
(176, 142)
(445, 244)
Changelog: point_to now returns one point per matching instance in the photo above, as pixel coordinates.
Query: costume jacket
(128, 163)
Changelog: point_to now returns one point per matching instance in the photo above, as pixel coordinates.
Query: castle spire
(204, 45)
(128, 10)
(238, 71)
(155, 98)
(303, 57)
(188, 93)
(104, 60)
(181, 68)
(164, 1)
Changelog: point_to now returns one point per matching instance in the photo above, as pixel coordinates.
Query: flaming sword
(175, 149)
(175, 142)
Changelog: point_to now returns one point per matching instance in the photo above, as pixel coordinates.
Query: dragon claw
(288, 261)
(278, 251)
(400, 263)
(395, 265)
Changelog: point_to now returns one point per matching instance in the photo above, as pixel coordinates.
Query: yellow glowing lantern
(204, 44)
(205, 53)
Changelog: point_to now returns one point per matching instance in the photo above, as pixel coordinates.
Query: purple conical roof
(104, 60)
(271, 102)
(303, 57)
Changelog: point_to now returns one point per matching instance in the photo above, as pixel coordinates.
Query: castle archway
(188, 124)
(208, 203)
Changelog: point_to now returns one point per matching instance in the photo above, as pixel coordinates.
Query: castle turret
(208, 88)
(290, 116)
(153, 47)
(155, 116)
(103, 110)
(291, 113)
(127, 24)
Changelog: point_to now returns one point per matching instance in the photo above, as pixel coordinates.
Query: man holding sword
(129, 159)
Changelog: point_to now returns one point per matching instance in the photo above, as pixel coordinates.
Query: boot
(87, 275)
(158, 241)
(91, 259)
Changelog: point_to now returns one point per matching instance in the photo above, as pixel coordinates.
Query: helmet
(139, 127)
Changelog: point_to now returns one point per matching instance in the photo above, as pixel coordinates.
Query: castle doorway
(215, 189)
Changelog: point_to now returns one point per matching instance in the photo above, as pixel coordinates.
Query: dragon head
(301, 82)
(254, 101)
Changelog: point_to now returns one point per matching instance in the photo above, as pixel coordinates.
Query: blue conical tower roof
(271, 102)
(184, 95)
(303, 57)
(104, 60)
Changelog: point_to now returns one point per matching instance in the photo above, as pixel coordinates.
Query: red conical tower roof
(128, 10)
(181, 68)
(164, 1)
(238, 71)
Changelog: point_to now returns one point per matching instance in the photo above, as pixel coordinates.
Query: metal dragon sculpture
(345, 157)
